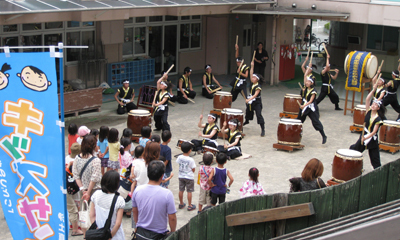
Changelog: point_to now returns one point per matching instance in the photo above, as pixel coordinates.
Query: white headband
(395, 74)
(208, 66)
(238, 60)
(310, 79)
(163, 83)
(254, 75)
(232, 123)
(383, 80)
(126, 81)
(378, 102)
(212, 116)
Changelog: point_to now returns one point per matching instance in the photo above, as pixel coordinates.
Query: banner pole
(62, 128)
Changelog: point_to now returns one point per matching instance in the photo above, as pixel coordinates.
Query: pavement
(275, 166)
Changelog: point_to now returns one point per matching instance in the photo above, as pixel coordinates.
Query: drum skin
(358, 116)
(389, 134)
(290, 104)
(345, 169)
(137, 121)
(289, 134)
(226, 116)
(370, 67)
(222, 100)
(212, 150)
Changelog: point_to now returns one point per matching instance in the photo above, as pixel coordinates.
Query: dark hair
(155, 138)
(396, 72)
(260, 77)
(124, 143)
(162, 158)
(151, 152)
(260, 43)
(208, 158)
(138, 151)
(253, 173)
(206, 66)
(162, 72)
(72, 129)
(103, 133)
(5, 67)
(186, 147)
(186, 70)
(127, 133)
(313, 169)
(36, 70)
(113, 135)
(110, 182)
(155, 170)
(94, 132)
(234, 121)
(166, 135)
(382, 111)
(145, 132)
(239, 59)
(221, 158)
(216, 117)
(88, 145)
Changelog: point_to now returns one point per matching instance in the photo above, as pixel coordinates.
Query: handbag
(103, 233)
(72, 187)
(84, 217)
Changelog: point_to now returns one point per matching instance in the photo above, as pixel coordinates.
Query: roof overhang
(284, 11)
(8, 7)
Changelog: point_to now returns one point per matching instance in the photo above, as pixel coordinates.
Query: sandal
(191, 207)
(181, 206)
(73, 234)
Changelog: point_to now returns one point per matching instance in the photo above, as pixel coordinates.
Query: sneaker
(246, 122)
(263, 133)
(324, 139)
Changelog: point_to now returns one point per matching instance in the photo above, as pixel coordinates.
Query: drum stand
(363, 88)
(287, 115)
(355, 128)
(392, 149)
(289, 148)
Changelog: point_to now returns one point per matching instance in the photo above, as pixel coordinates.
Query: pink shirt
(125, 160)
(204, 177)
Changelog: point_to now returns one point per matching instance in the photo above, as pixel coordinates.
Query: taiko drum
(231, 113)
(137, 119)
(222, 100)
(347, 164)
(389, 133)
(290, 131)
(359, 115)
(290, 104)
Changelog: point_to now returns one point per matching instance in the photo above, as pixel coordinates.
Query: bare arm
(172, 222)
(210, 178)
(230, 178)
(181, 89)
(254, 96)
(245, 74)
(336, 75)
(233, 144)
(381, 96)
(135, 214)
(92, 213)
(200, 125)
(205, 84)
(326, 65)
(309, 102)
(215, 80)
(86, 194)
(369, 97)
(303, 68)
(162, 102)
(168, 178)
(118, 221)
(236, 51)
(251, 68)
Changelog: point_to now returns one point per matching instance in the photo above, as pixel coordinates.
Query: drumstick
(298, 103)
(190, 100)
(312, 53)
(380, 67)
(326, 50)
(308, 54)
(173, 104)
(254, 55)
(217, 89)
(362, 134)
(237, 39)
(300, 85)
(241, 63)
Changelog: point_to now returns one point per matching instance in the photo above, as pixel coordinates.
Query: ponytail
(124, 144)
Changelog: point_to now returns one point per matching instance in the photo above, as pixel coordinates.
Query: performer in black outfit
(172, 97)
(232, 150)
(309, 107)
(380, 91)
(208, 78)
(373, 120)
(209, 133)
(185, 89)
(124, 96)
(160, 104)
(391, 93)
(260, 59)
(239, 84)
(253, 101)
(327, 88)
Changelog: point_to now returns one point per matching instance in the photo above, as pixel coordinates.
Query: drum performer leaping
(239, 84)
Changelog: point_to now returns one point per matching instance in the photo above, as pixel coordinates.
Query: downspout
(273, 50)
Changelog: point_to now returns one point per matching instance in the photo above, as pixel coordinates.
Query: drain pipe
(275, 53)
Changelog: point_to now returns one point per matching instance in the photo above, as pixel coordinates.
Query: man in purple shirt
(153, 205)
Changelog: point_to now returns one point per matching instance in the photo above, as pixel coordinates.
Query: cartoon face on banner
(31, 166)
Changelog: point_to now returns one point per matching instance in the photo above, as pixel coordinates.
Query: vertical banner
(31, 161)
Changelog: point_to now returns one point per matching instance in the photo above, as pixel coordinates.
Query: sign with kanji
(31, 161)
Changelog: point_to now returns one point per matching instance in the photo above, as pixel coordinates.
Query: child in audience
(146, 135)
(166, 153)
(72, 135)
(113, 147)
(127, 133)
(102, 144)
(217, 180)
(187, 166)
(205, 171)
(252, 187)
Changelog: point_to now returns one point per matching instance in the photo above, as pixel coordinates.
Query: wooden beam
(300, 210)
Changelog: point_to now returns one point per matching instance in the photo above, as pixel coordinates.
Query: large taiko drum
(232, 113)
(290, 131)
(137, 119)
(370, 67)
(222, 100)
(389, 133)
(359, 115)
(290, 104)
(347, 164)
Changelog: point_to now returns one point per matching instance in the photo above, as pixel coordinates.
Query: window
(10, 28)
(31, 26)
(140, 19)
(34, 40)
(53, 25)
(171, 18)
(382, 38)
(140, 40)
(72, 24)
(127, 48)
(190, 36)
(155, 19)
(73, 39)
(130, 20)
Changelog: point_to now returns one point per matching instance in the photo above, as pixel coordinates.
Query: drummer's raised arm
(326, 65)
(369, 97)
(251, 68)
(375, 78)
(303, 66)
(160, 80)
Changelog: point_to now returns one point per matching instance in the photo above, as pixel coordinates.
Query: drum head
(345, 63)
(289, 95)
(360, 106)
(210, 148)
(290, 120)
(371, 67)
(349, 153)
(139, 112)
(232, 111)
(223, 93)
(390, 122)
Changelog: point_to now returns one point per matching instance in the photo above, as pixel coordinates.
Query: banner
(31, 161)
(355, 70)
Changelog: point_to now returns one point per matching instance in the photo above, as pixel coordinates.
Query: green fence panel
(174, 236)
(216, 222)
(373, 188)
(233, 207)
(194, 227)
(295, 224)
(184, 232)
(258, 230)
(323, 203)
(393, 188)
(346, 198)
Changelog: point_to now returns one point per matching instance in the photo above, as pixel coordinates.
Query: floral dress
(251, 188)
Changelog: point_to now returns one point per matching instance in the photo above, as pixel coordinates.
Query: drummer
(208, 78)
(232, 149)
(124, 96)
(380, 89)
(239, 84)
(391, 93)
(308, 107)
(185, 88)
(210, 133)
(160, 104)
(373, 120)
(172, 97)
(253, 101)
(327, 88)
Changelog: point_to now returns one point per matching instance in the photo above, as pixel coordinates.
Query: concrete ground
(275, 167)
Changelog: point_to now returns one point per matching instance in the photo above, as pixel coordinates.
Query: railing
(374, 188)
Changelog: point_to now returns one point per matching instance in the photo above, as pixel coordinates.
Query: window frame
(381, 38)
